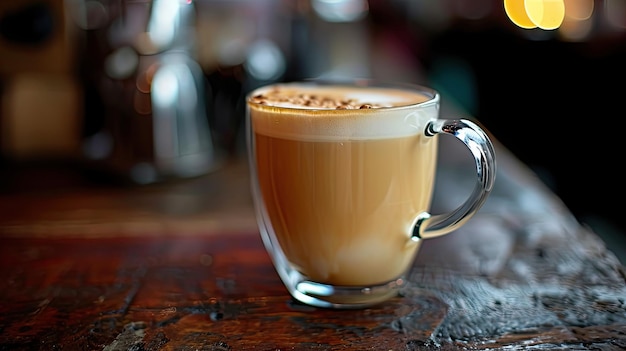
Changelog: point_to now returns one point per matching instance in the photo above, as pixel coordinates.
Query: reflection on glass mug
(342, 179)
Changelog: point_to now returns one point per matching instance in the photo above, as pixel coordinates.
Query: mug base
(341, 297)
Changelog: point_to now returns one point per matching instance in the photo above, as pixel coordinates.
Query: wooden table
(180, 266)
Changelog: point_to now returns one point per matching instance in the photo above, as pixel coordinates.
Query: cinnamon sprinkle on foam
(277, 97)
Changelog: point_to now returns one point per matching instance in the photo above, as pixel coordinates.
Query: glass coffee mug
(342, 178)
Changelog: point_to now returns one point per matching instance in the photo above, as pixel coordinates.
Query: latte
(343, 173)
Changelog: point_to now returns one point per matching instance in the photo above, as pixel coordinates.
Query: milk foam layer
(311, 112)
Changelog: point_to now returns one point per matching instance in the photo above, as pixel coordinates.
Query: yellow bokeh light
(516, 11)
(545, 14)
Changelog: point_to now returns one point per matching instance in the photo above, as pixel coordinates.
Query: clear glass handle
(429, 226)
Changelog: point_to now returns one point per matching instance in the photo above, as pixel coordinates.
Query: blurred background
(144, 91)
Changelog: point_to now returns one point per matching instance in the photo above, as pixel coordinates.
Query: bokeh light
(528, 14)
(616, 13)
(546, 14)
(579, 9)
(340, 10)
(516, 11)
(578, 22)
(265, 61)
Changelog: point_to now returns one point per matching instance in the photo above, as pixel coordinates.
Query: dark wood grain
(203, 292)
(220, 292)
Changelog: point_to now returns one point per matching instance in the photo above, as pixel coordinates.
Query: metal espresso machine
(145, 94)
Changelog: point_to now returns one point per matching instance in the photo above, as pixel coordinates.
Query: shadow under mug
(342, 178)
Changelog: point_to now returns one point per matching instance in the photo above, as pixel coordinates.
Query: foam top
(340, 112)
(335, 97)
